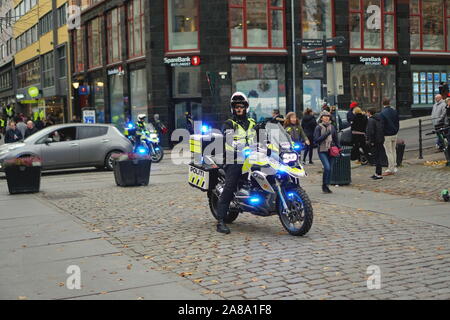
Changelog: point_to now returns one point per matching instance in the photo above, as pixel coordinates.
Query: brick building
(167, 57)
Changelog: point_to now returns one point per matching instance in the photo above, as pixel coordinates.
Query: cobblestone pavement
(169, 228)
(415, 180)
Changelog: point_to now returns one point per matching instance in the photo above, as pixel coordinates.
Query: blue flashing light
(297, 147)
(247, 152)
(142, 150)
(290, 194)
(255, 200)
(205, 129)
(130, 126)
(157, 149)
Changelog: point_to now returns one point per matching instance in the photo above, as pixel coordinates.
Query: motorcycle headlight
(289, 157)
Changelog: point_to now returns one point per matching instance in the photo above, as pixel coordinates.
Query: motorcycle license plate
(198, 178)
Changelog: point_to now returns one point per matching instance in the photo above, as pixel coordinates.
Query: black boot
(325, 189)
(222, 227)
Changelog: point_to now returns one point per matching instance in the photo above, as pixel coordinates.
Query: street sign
(314, 55)
(88, 116)
(336, 41)
(318, 43)
(310, 43)
(313, 63)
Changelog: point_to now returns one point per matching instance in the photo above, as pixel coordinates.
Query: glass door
(193, 107)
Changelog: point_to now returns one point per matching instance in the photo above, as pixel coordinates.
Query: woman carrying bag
(295, 130)
(325, 136)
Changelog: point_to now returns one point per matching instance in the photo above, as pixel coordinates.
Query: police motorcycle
(145, 142)
(270, 181)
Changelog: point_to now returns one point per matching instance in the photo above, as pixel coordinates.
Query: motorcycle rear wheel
(301, 212)
(213, 204)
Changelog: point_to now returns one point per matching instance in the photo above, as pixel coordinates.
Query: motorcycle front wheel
(158, 155)
(298, 219)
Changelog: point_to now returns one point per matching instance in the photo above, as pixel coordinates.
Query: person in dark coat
(325, 136)
(309, 124)
(13, 134)
(350, 114)
(375, 140)
(358, 127)
(31, 129)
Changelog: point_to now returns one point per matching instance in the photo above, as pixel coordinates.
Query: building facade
(41, 67)
(7, 51)
(169, 57)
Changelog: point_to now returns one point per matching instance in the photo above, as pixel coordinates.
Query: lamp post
(324, 44)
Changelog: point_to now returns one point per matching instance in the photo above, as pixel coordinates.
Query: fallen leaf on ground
(129, 266)
(22, 297)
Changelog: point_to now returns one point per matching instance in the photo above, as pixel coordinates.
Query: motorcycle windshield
(278, 136)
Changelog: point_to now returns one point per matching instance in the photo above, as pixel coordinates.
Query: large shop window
(28, 74)
(95, 38)
(78, 50)
(312, 18)
(138, 92)
(116, 100)
(186, 82)
(430, 25)
(370, 84)
(113, 26)
(257, 24)
(372, 25)
(136, 28)
(182, 25)
(426, 82)
(264, 85)
(48, 70)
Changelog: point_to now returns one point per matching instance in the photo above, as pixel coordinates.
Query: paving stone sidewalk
(415, 178)
(168, 227)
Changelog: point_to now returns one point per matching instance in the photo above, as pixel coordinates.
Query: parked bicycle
(443, 135)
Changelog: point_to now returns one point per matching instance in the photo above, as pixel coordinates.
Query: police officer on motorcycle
(238, 132)
(141, 127)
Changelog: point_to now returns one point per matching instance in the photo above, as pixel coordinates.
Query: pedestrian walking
(276, 117)
(443, 90)
(39, 124)
(391, 126)
(375, 140)
(350, 114)
(31, 129)
(325, 136)
(309, 124)
(358, 127)
(13, 134)
(21, 125)
(439, 116)
(295, 130)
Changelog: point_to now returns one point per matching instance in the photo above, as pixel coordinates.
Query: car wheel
(109, 162)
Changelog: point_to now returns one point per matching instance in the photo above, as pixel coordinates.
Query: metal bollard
(420, 140)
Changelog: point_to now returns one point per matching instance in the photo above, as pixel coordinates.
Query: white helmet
(141, 117)
(239, 98)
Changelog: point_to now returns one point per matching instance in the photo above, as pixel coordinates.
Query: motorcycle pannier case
(202, 177)
(198, 144)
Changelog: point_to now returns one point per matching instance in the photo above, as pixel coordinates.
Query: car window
(91, 132)
(62, 135)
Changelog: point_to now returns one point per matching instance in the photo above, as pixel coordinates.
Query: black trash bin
(341, 172)
(132, 172)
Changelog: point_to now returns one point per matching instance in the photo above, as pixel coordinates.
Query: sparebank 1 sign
(182, 61)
